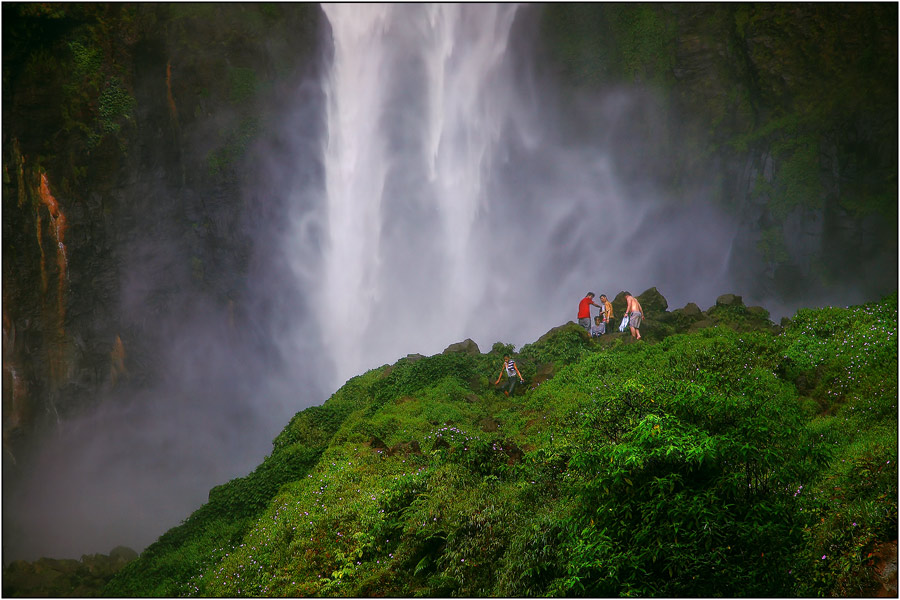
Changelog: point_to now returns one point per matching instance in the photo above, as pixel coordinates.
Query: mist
(430, 186)
(458, 204)
(146, 459)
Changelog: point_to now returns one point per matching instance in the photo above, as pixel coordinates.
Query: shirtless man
(635, 314)
(607, 312)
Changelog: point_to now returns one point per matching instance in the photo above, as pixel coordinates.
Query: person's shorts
(634, 319)
(586, 323)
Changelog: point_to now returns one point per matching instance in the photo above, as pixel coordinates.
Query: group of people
(634, 314)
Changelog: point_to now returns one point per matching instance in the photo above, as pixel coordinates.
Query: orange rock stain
(59, 225)
(172, 109)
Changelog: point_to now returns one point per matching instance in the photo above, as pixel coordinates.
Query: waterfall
(461, 201)
(416, 100)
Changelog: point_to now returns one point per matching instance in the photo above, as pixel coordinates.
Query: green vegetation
(115, 103)
(599, 43)
(717, 463)
(97, 99)
(233, 147)
(802, 97)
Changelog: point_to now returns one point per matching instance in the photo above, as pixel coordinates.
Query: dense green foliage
(722, 462)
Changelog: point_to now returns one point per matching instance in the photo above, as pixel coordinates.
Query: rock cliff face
(786, 113)
(125, 136)
(128, 129)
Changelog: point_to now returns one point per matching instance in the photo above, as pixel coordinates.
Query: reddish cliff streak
(58, 222)
(57, 348)
(172, 110)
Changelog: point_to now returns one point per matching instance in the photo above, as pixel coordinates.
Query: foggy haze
(431, 193)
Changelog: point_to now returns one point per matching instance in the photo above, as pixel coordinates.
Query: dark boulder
(758, 312)
(544, 372)
(122, 554)
(652, 302)
(731, 312)
(467, 347)
(618, 304)
(681, 319)
(729, 300)
(512, 451)
(571, 326)
(691, 310)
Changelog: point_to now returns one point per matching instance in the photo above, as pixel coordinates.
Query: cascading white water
(453, 206)
(412, 129)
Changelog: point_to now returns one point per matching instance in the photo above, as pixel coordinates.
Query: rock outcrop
(466, 346)
(659, 322)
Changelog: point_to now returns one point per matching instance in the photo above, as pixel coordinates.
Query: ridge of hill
(739, 459)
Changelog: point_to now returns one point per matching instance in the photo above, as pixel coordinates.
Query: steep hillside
(726, 461)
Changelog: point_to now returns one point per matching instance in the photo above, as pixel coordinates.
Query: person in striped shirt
(512, 371)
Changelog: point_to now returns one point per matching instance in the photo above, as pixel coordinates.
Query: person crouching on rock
(599, 328)
(512, 371)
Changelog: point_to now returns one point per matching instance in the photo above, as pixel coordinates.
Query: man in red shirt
(584, 311)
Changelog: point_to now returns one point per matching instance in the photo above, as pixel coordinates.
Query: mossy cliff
(787, 113)
(731, 461)
(126, 136)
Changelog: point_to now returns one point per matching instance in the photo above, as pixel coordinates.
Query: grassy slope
(713, 463)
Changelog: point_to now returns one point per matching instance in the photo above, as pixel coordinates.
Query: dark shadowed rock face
(729, 300)
(467, 346)
(653, 302)
(690, 310)
(127, 127)
(568, 327)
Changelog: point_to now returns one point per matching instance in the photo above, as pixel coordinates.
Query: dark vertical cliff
(125, 158)
(786, 112)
